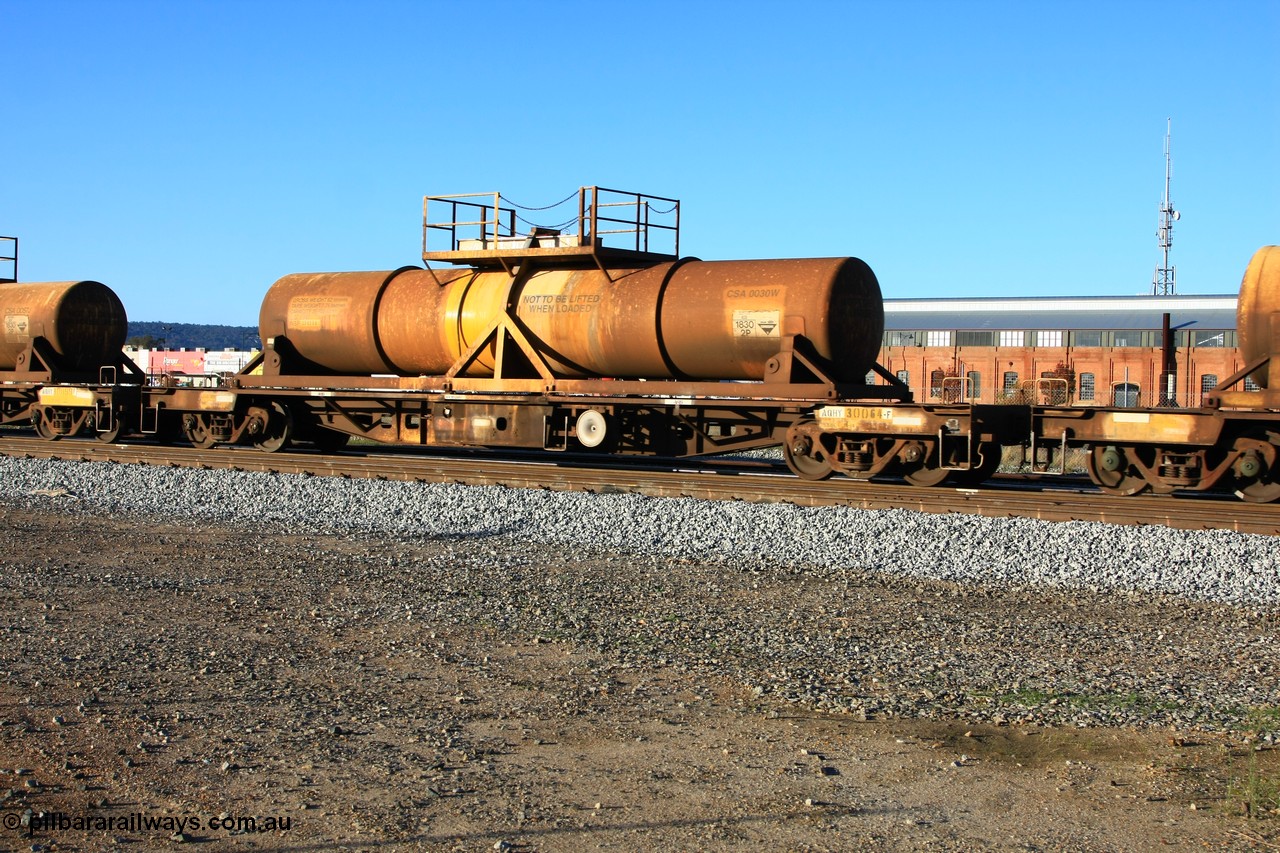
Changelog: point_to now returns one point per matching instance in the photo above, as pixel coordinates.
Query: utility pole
(1165, 280)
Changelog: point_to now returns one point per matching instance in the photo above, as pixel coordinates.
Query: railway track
(702, 479)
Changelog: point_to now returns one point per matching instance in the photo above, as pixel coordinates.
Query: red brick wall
(1107, 364)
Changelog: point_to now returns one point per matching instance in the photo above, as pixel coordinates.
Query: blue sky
(189, 153)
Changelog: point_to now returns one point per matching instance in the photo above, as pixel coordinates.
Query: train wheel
(112, 435)
(109, 436)
(923, 475)
(915, 467)
(1256, 475)
(278, 432)
(1110, 470)
(1259, 492)
(991, 455)
(43, 428)
(804, 462)
(197, 432)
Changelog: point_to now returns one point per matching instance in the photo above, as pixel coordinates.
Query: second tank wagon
(682, 319)
(556, 340)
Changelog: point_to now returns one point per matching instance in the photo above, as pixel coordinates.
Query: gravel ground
(832, 541)
(280, 625)
(778, 589)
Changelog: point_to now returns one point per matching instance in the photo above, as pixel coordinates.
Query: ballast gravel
(1217, 566)
(877, 614)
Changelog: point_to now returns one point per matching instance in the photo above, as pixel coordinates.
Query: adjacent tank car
(553, 340)
(61, 340)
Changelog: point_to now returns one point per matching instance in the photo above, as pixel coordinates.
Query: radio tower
(1165, 280)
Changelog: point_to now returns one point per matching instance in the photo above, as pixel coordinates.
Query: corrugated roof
(1048, 312)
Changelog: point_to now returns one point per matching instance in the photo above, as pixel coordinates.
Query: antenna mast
(1165, 280)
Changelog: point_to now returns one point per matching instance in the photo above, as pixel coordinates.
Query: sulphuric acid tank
(1259, 299)
(83, 322)
(701, 320)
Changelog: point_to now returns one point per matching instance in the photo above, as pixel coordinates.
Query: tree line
(156, 335)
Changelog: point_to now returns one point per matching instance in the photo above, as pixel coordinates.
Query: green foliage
(1034, 697)
(1257, 793)
(191, 336)
(1254, 788)
(1264, 718)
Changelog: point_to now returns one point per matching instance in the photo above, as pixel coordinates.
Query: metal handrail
(1050, 390)
(11, 258)
(595, 220)
(640, 226)
(490, 228)
(957, 388)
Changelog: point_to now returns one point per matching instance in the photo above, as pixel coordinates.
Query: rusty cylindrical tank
(1259, 299)
(691, 319)
(83, 321)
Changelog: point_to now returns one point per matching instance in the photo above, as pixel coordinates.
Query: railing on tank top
(8, 259)
(456, 227)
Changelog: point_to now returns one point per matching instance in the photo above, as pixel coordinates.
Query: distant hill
(192, 336)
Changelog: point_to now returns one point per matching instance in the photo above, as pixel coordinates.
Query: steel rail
(697, 478)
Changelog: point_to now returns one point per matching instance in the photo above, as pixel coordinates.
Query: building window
(937, 339)
(1086, 386)
(1049, 339)
(1208, 382)
(935, 382)
(976, 339)
(900, 339)
(1126, 395)
(1250, 385)
(1086, 339)
(1008, 388)
(1209, 339)
(904, 377)
(871, 377)
(1012, 339)
(975, 384)
(1127, 338)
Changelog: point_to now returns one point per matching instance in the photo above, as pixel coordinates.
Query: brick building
(1097, 351)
